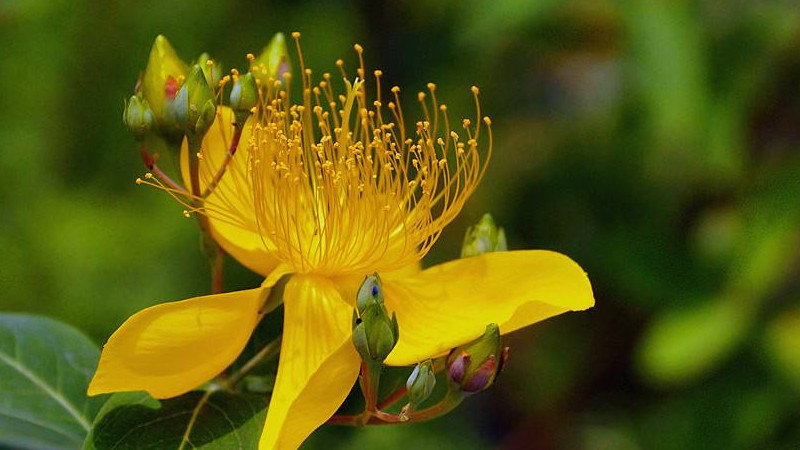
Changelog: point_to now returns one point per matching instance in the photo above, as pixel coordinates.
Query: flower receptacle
(419, 386)
(212, 69)
(484, 237)
(195, 106)
(137, 117)
(273, 61)
(244, 97)
(160, 83)
(375, 333)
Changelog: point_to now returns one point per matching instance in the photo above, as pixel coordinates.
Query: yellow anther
(487, 120)
(139, 181)
(339, 62)
(475, 90)
(148, 175)
(296, 34)
(420, 96)
(443, 107)
(395, 89)
(431, 87)
(358, 48)
(378, 73)
(251, 57)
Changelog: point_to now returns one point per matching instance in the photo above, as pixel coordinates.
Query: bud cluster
(174, 100)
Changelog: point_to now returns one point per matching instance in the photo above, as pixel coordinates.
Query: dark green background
(655, 142)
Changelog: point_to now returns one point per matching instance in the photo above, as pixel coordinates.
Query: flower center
(340, 187)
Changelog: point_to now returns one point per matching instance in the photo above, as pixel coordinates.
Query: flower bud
(474, 367)
(137, 117)
(194, 106)
(244, 96)
(374, 333)
(485, 237)
(273, 61)
(420, 385)
(211, 69)
(161, 82)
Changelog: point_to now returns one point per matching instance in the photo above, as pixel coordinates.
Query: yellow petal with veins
(235, 229)
(172, 348)
(318, 364)
(451, 304)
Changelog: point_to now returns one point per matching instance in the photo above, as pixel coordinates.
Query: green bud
(160, 84)
(374, 332)
(370, 293)
(194, 106)
(137, 117)
(484, 237)
(211, 69)
(244, 96)
(273, 61)
(474, 367)
(420, 385)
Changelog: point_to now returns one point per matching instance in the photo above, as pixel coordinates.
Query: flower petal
(451, 304)
(172, 348)
(230, 207)
(348, 285)
(318, 364)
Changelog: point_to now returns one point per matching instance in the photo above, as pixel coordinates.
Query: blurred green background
(655, 142)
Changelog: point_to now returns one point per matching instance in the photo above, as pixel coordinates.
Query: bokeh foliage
(653, 141)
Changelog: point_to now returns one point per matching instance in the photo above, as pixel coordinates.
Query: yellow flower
(329, 191)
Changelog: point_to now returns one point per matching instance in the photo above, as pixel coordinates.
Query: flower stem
(151, 165)
(393, 398)
(212, 249)
(217, 271)
(448, 403)
(269, 350)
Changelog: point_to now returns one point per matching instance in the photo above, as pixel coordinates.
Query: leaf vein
(60, 399)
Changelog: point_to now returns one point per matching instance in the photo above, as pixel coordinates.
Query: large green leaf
(45, 367)
(218, 420)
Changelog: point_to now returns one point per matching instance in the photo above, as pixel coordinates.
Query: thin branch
(269, 350)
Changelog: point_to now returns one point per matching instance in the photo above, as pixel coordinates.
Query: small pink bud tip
(171, 87)
(459, 367)
(482, 377)
(503, 360)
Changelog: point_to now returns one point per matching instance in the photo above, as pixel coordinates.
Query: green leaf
(683, 345)
(198, 419)
(45, 367)
(782, 345)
